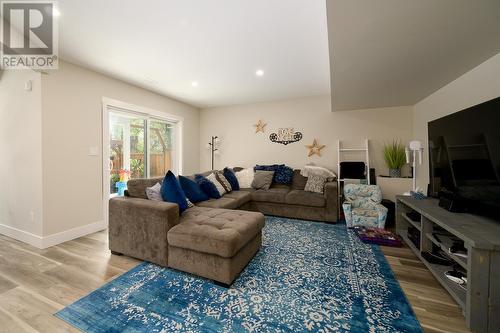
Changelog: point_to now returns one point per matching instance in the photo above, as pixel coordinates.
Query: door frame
(108, 103)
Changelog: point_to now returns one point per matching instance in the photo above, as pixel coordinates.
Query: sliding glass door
(127, 142)
(161, 139)
(139, 147)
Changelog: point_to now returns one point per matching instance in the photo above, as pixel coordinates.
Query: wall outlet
(32, 217)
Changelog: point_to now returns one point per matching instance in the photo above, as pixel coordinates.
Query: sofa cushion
(136, 188)
(304, 198)
(315, 184)
(276, 195)
(242, 197)
(171, 191)
(223, 181)
(245, 177)
(224, 202)
(192, 190)
(282, 173)
(207, 186)
(154, 192)
(216, 231)
(276, 185)
(218, 185)
(231, 178)
(262, 180)
(299, 181)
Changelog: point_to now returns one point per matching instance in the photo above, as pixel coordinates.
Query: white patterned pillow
(245, 177)
(315, 184)
(217, 184)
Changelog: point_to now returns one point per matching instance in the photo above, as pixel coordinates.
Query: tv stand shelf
(480, 299)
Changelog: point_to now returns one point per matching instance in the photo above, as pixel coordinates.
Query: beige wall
(313, 117)
(20, 154)
(71, 123)
(478, 85)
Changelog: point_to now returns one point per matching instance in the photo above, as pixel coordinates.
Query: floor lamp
(414, 148)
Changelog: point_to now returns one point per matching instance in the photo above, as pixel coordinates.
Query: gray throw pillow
(262, 180)
(153, 192)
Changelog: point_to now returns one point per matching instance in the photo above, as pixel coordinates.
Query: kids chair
(362, 206)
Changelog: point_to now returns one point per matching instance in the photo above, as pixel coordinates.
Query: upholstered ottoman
(215, 243)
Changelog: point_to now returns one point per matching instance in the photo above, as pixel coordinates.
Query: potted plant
(395, 158)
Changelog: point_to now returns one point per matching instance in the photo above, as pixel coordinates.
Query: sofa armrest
(347, 208)
(382, 215)
(138, 227)
(332, 199)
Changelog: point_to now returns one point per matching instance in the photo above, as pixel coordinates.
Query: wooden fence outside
(159, 164)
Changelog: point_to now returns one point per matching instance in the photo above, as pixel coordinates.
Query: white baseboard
(54, 239)
(21, 235)
(71, 234)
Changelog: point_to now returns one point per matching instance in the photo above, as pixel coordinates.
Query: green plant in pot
(395, 158)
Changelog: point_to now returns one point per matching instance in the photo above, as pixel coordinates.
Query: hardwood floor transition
(36, 283)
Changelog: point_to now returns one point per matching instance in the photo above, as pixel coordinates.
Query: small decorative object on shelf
(285, 136)
(315, 148)
(260, 126)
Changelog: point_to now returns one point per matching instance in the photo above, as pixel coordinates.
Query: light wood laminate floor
(36, 283)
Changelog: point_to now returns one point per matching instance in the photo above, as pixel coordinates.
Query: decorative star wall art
(315, 148)
(260, 126)
(285, 136)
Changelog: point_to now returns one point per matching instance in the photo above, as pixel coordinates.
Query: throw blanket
(312, 170)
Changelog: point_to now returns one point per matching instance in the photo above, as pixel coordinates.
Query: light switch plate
(28, 85)
(93, 151)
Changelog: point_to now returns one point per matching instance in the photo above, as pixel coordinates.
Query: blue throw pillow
(192, 190)
(207, 186)
(282, 173)
(231, 178)
(171, 191)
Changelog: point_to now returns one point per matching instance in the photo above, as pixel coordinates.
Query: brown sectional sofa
(218, 237)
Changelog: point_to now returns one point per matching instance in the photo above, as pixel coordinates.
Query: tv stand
(480, 301)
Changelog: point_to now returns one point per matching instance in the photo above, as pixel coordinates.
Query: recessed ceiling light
(56, 12)
(194, 83)
(259, 72)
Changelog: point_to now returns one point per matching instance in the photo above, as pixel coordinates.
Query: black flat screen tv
(464, 157)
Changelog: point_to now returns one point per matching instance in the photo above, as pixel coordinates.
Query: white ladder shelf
(341, 150)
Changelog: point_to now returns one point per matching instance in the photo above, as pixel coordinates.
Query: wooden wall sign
(285, 136)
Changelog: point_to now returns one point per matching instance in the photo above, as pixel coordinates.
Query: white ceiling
(166, 45)
(397, 52)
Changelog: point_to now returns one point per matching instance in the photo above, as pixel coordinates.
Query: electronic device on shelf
(458, 276)
(414, 236)
(438, 257)
(414, 216)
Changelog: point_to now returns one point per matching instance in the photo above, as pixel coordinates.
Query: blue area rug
(308, 277)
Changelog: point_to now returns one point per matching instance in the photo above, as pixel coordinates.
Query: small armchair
(362, 206)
